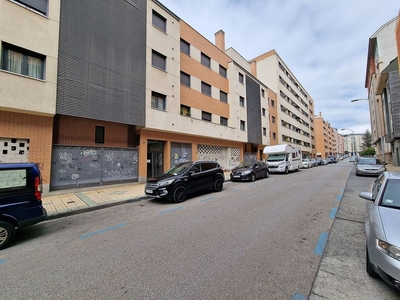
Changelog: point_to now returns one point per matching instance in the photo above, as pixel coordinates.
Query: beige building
(326, 138)
(295, 107)
(28, 81)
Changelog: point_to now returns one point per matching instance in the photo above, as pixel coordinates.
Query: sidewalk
(69, 202)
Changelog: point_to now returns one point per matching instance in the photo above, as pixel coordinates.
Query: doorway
(155, 158)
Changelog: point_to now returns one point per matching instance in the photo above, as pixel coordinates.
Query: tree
(368, 152)
(367, 141)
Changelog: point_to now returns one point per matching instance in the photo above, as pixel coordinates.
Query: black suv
(186, 178)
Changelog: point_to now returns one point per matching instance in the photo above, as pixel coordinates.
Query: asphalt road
(261, 240)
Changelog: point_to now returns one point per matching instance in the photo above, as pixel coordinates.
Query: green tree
(368, 152)
(366, 141)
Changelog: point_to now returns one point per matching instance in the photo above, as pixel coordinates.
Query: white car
(306, 163)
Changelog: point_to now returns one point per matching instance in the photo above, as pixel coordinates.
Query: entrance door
(155, 161)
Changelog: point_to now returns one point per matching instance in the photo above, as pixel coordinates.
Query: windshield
(245, 164)
(276, 157)
(369, 161)
(391, 196)
(179, 169)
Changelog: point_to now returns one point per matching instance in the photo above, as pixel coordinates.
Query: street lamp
(359, 99)
(353, 142)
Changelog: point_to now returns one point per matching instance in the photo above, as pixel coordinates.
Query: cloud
(324, 43)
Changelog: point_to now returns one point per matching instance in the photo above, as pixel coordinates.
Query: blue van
(20, 198)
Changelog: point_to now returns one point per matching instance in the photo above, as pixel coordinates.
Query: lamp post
(353, 142)
(359, 99)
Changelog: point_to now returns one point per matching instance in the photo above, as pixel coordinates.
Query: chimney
(220, 40)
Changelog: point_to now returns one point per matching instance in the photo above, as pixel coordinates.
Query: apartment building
(101, 98)
(326, 138)
(295, 107)
(380, 80)
(28, 81)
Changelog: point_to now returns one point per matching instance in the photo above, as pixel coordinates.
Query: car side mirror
(366, 196)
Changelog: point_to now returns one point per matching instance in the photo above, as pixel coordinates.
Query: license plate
(236, 176)
(149, 191)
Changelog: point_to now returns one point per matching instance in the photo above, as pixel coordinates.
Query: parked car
(20, 199)
(313, 162)
(186, 178)
(320, 162)
(369, 166)
(250, 171)
(352, 159)
(332, 159)
(306, 163)
(382, 229)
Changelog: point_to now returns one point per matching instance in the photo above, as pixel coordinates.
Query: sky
(323, 42)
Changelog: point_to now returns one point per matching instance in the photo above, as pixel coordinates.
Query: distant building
(326, 138)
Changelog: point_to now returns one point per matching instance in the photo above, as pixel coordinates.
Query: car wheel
(179, 194)
(369, 267)
(218, 185)
(7, 232)
(252, 177)
(266, 174)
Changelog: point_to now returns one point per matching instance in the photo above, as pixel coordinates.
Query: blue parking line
(170, 210)
(207, 199)
(299, 297)
(333, 213)
(319, 248)
(2, 261)
(101, 231)
(339, 197)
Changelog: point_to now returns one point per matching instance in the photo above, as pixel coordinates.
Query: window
(242, 125)
(99, 135)
(22, 61)
(185, 110)
(185, 79)
(262, 93)
(206, 116)
(263, 112)
(158, 60)
(38, 5)
(241, 101)
(274, 136)
(264, 131)
(273, 119)
(222, 71)
(241, 78)
(272, 103)
(206, 88)
(223, 96)
(205, 60)
(158, 101)
(159, 21)
(185, 47)
(223, 121)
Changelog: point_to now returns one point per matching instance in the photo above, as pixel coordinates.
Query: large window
(158, 60)
(159, 21)
(185, 110)
(185, 47)
(158, 101)
(222, 71)
(206, 116)
(22, 61)
(241, 78)
(206, 88)
(223, 121)
(205, 60)
(37, 5)
(185, 79)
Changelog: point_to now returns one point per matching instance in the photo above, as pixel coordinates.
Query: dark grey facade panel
(253, 106)
(394, 89)
(102, 61)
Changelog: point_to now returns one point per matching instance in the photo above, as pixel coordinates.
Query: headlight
(246, 172)
(360, 168)
(388, 249)
(166, 182)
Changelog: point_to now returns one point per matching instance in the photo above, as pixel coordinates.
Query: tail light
(38, 188)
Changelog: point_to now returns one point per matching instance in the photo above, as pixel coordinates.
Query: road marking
(101, 231)
(323, 238)
(299, 297)
(2, 261)
(207, 199)
(339, 197)
(333, 213)
(170, 210)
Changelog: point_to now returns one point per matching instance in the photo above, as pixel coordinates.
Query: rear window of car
(208, 166)
(13, 180)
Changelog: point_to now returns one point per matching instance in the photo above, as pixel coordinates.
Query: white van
(283, 158)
